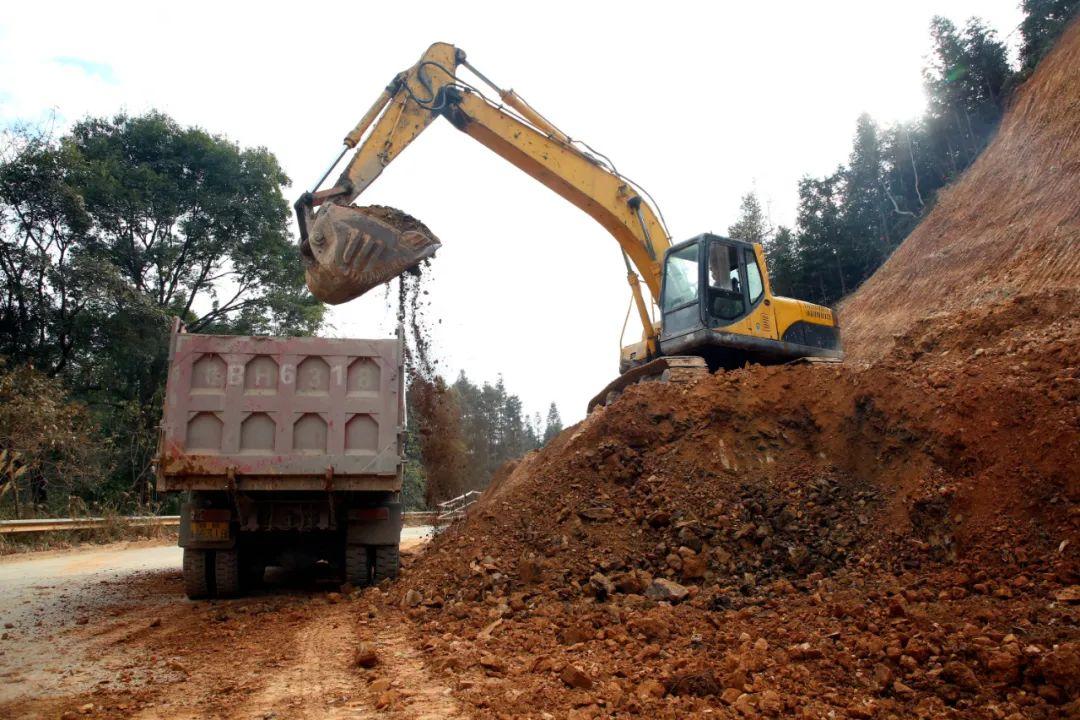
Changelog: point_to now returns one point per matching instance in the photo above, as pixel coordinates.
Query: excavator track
(674, 369)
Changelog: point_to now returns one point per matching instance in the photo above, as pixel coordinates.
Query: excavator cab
(716, 303)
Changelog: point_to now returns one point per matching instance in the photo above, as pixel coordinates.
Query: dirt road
(106, 632)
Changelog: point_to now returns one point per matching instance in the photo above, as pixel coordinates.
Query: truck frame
(289, 452)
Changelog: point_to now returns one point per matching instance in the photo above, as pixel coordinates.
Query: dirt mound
(893, 539)
(1010, 225)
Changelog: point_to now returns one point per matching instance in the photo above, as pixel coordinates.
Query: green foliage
(849, 222)
(112, 229)
(752, 225)
(554, 424)
(49, 444)
(1044, 21)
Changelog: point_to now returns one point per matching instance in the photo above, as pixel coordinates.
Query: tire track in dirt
(324, 683)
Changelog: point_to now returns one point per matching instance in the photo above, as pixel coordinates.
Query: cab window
(681, 277)
(725, 296)
(753, 277)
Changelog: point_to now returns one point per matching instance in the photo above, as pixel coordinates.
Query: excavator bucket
(350, 250)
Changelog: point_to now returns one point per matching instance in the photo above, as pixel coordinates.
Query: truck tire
(357, 567)
(227, 573)
(197, 574)
(387, 563)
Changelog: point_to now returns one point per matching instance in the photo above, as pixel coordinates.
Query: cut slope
(1010, 224)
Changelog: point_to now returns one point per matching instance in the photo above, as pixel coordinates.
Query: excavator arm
(349, 250)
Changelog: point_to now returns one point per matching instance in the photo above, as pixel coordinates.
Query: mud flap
(351, 250)
(374, 526)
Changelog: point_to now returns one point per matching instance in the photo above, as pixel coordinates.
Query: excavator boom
(348, 250)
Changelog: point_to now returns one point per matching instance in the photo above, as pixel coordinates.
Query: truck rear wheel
(357, 567)
(387, 563)
(227, 573)
(196, 574)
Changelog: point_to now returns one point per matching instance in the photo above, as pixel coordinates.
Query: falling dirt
(432, 405)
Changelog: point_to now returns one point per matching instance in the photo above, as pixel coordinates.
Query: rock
(769, 703)
(803, 651)
(387, 699)
(1061, 667)
(659, 519)
(1069, 595)
(413, 598)
(87, 708)
(491, 663)
(745, 705)
(575, 677)
(366, 657)
(69, 715)
(530, 572)
(736, 679)
(694, 567)
(699, 683)
(662, 589)
(577, 634)
(156, 622)
(379, 686)
(1004, 664)
(883, 676)
(901, 689)
(596, 514)
(602, 586)
(729, 696)
(633, 582)
(960, 675)
(333, 598)
(650, 689)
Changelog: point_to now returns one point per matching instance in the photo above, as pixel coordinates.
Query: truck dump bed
(281, 413)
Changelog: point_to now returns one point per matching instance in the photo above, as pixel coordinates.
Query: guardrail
(89, 523)
(411, 519)
(455, 508)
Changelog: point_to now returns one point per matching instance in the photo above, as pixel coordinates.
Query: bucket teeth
(351, 250)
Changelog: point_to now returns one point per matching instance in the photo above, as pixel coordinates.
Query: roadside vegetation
(850, 221)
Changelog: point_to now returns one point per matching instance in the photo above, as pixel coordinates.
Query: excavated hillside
(894, 537)
(1010, 225)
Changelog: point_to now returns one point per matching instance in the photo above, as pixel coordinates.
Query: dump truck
(289, 453)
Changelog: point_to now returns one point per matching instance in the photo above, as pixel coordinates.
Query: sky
(698, 102)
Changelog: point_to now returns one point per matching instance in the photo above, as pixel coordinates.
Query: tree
(554, 424)
(752, 225)
(111, 229)
(866, 209)
(782, 259)
(1044, 21)
(49, 445)
(193, 222)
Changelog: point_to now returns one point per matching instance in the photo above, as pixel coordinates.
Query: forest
(114, 225)
(848, 222)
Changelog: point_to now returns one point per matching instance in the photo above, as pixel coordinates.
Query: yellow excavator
(716, 309)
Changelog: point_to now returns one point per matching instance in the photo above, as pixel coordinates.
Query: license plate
(211, 531)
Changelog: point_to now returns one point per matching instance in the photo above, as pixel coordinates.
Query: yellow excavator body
(713, 293)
